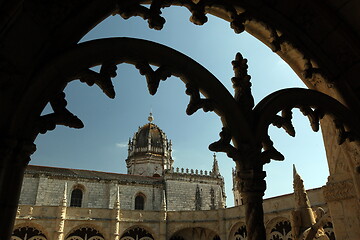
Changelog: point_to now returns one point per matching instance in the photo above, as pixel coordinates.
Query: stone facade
(160, 202)
(225, 223)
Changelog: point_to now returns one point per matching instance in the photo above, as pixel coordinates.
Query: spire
(150, 118)
(300, 195)
(64, 200)
(215, 168)
(301, 198)
(129, 146)
(303, 212)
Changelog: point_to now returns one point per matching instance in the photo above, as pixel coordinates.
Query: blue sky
(102, 144)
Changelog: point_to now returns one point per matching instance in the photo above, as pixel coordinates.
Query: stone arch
(199, 233)
(32, 231)
(138, 232)
(238, 231)
(279, 228)
(91, 231)
(271, 12)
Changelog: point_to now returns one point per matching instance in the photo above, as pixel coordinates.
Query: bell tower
(149, 152)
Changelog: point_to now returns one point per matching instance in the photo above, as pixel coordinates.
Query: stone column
(117, 216)
(14, 157)
(163, 219)
(342, 190)
(252, 188)
(222, 223)
(62, 217)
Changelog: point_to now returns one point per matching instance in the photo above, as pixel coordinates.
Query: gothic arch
(199, 233)
(137, 233)
(279, 228)
(238, 231)
(272, 24)
(90, 231)
(32, 231)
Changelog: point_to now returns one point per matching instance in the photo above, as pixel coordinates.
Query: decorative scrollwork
(237, 18)
(223, 144)
(277, 40)
(195, 101)
(284, 121)
(269, 151)
(128, 9)
(198, 11)
(60, 116)
(314, 117)
(312, 104)
(309, 70)
(153, 77)
(343, 134)
(102, 79)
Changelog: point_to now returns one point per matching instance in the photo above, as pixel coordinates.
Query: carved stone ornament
(153, 77)
(196, 102)
(339, 191)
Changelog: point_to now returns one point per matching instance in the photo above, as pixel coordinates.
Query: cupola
(149, 151)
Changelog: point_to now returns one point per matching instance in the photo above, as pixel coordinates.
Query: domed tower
(149, 152)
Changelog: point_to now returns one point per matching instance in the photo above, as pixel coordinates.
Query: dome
(149, 139)
(151, 131)
(149, 152)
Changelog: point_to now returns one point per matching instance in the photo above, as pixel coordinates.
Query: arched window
(76, 198)
(139, 202)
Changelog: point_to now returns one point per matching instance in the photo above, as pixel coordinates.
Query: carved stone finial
(241, 83)
(150, 118)
(302, 211)
(215, 168)
(301, 198)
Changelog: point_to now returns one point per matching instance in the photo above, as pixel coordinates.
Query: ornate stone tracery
(137, 233)
(28, 233)
(241, 233)
(239, 19)
(85, 233)
(281, 231)
(250, 135)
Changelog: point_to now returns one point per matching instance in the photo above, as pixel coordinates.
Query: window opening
(76, 198)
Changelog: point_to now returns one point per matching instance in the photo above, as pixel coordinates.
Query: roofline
(87, 170)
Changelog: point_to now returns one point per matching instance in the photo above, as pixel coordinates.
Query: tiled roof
(88, 174)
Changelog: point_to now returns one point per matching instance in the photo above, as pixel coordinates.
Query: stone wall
(29, 190)
(49, 191)
(181, 191)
